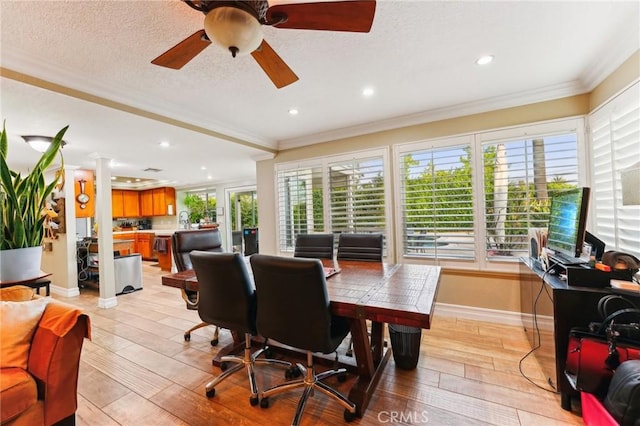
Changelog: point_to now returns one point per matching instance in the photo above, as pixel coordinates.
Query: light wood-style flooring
(138, 370)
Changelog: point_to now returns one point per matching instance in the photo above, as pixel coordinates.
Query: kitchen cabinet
(125, 203)
(128, 236)
(164, 257)
(158, 202)
(144, 244)
(164, 201)
(146, 202)
(131, 201)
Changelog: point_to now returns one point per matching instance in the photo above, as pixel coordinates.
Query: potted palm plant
(22, 202)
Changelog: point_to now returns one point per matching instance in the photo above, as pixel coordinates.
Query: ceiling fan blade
(183, 52)
(353, 16)
(273, 65)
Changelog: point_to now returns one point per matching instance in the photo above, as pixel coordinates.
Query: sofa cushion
(18, 392)
(18, 322)
(16, 293)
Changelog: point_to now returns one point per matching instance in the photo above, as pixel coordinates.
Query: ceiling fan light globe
(232, 27)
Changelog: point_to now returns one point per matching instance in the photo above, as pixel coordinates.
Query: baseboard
(107, 303)
(65, 292)
(491, 315)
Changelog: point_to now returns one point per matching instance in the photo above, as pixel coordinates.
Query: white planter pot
(20, 264)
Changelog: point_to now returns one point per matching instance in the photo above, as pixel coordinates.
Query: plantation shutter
(437, 202)
(299, 203)
(615, 140)
(520, 176)
(357, 197)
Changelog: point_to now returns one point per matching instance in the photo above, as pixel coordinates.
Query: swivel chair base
(214, 340)
(192, 299)
(247, 361)
(310, 382)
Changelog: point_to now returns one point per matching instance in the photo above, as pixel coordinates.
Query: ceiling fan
(235, 25)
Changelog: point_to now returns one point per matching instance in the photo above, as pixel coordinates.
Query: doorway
(242, 204)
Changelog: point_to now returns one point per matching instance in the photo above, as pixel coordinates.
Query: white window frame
(476, 140)
(324, 162)
(446, 142)
(624, 100)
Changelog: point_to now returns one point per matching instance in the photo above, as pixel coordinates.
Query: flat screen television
(567, 222)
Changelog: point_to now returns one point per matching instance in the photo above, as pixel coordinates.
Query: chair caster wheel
(253, 401)
(349, 353)
(292, 372)
(264, 402)
(342, 377)
(223, 366)
(187, 337)
(214, 342)
(211, 393)
(349, 416)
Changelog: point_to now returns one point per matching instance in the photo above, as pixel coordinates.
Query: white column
(70, 222)
(105, 235)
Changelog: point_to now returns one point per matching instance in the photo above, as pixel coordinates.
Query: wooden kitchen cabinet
(164, 201)
(117, 203)
(144, 244)
(129, 236)
(146, 202)
(164, 258)
(125, 203)
(131, 201)
(158, 202)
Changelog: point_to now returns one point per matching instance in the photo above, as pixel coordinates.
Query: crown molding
(508, 101)
(25, 69)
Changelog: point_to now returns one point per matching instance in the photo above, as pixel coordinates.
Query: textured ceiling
(223, 113)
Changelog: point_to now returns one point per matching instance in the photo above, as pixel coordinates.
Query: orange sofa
(46, 392)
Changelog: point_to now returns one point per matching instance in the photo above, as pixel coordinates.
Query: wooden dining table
(382, 293)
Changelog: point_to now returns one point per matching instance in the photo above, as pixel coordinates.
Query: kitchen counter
(159, 232)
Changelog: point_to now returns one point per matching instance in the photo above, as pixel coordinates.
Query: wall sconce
(39, 143)
(631, 185)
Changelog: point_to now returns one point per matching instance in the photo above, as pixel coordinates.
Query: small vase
(18, 265)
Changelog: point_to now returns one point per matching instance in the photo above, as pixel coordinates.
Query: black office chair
(306, 324)
(228, 300)
(183, 243)
(365, 247)
(319, 246)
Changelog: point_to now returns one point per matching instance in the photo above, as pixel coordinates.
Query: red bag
(593, 356)
(592, 361)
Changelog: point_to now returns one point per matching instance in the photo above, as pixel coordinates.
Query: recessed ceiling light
(367, 92)
(293, 111)
(209, 177)
(137, 179)
(113, 178)
(203, 168)
(164, 144)
(484, 60)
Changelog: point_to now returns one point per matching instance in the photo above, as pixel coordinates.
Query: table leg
(370, 362)
(232, 348)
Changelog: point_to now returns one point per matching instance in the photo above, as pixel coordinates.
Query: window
(336, 194)
(519, 177)
(300, 203)
(473, 198)
(437, 201)
(201, 206)
(615, 146)
(356, 191)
